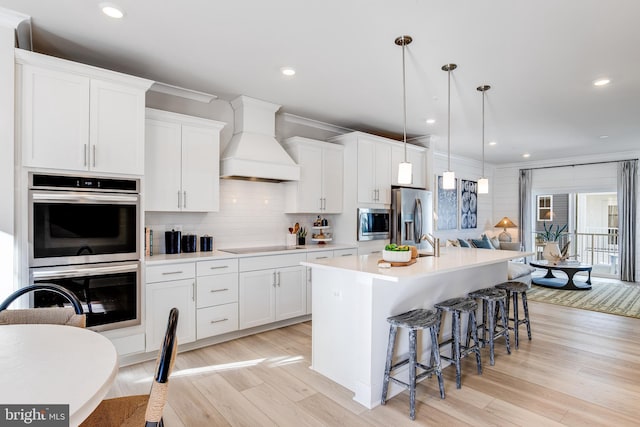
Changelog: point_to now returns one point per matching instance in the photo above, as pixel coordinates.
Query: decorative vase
(551, 251)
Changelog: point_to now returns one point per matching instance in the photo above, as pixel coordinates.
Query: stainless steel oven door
(373, 224)
(79, 227)
(109, 292)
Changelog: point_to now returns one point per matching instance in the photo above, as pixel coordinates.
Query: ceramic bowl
(396, 256)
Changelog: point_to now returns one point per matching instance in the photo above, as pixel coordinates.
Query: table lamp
(505, 223)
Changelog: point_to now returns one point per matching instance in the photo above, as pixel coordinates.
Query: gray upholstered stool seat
(514, 289)
(457, 306)
(413, 320)
(493, 304)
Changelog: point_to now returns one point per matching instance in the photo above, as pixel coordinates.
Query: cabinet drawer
(163, 273)
(345, 252)
(271, 261)
(222, 266)
(217, 290)
(312, 256)
(217, 320)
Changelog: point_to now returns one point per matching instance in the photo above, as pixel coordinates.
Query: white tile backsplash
(251, 214)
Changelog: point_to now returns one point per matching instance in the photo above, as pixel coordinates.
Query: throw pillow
(495, 242)
(483, 243)
(453, 243)
(464, 243)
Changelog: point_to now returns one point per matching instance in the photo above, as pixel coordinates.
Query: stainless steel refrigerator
(411, 216)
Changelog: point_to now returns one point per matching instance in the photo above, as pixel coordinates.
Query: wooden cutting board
(399, 264)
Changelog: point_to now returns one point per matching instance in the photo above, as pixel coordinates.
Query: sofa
(517, 271)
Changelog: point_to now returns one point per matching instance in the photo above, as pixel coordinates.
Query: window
(545, 208)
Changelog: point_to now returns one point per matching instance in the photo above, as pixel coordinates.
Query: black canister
(172, 241)
(206, 243)
(189, 242)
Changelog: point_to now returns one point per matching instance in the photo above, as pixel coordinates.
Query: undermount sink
(423, 254)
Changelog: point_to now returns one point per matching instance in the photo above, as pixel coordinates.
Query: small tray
(399, 264)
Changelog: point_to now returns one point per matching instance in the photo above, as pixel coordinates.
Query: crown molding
(292, 118)
(182, 92)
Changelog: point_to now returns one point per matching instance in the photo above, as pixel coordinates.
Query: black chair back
(77, 307)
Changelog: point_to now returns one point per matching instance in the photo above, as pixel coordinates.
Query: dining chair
(144, 409)
(71, 316)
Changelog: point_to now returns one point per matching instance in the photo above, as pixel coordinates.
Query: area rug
(607, 297)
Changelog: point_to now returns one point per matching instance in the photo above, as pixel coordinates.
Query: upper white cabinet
(374, 171)
(417, 157)
(320, 187)
(181, 163)
(77, 117)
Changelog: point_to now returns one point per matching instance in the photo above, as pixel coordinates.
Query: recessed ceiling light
(111, 10)
(526, 155)
(492, 143)
(601, 82)
(288, 71)
(604, 136)
(430, 121)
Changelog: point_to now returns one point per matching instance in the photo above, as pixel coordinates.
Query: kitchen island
(352, 298)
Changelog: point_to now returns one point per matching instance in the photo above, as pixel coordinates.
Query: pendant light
(405, 175)
(449, 177)
(483, 182)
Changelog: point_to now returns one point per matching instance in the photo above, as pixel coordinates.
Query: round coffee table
(570, 269)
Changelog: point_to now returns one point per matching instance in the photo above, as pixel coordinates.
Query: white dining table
(53, 364)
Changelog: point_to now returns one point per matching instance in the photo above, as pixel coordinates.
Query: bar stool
(513, 289)
(493, 304)
(413, 320)
(457, 306)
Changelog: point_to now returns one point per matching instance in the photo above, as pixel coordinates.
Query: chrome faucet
(433, 241)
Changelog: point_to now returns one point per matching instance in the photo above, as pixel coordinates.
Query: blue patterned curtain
(627, 191)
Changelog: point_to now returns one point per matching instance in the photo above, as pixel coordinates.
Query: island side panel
(350, 331)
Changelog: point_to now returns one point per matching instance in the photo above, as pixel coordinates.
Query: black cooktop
(260, 249)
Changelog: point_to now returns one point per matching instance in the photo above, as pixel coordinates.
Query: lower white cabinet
(270, 295)
(217, 297)
(161, 298)
(312, 256)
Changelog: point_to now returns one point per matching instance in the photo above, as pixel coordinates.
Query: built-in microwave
(373, 224)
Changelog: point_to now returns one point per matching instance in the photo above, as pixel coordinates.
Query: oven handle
(82, 272)
(84, 198)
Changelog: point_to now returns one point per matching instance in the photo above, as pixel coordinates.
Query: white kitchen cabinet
(320, 187)
(181, 163)
(316, 255)
(417, 157)
(273, 294)
(374, 171)
(168, 286)
(79, 118)
(217, 297)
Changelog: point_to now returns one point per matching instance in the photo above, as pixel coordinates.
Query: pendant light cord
(449, 120)
(404, 103)
(483, 133)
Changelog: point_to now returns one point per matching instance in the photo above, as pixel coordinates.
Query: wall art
(447, 207)
(468, 204)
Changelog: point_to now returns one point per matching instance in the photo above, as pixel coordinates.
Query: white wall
(470, 170)
(7, 66)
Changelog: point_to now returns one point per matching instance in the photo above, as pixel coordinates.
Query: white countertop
(221, 254)
(450, 259)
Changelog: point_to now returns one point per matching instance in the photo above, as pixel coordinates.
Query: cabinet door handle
(165, 273)
(278, 278)
(219, 290)
(94, 155)
(274, 279)
(218, 321)
(179, 199)
(85, 155)
(309, 270)
(346, 254)
(193, 291)
(320, 203)
(219, 267)
(184, 199)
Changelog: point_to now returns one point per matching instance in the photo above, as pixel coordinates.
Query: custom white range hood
(253, 153)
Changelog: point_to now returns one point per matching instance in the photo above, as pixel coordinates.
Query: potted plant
(551, 251)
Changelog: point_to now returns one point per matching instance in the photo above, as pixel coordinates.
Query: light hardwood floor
(581, 368)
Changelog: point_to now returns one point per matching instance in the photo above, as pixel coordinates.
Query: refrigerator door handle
(417, 221)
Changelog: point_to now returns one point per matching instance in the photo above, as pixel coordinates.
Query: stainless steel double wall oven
(84, 235)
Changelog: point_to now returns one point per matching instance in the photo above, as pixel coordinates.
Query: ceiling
(540, 57)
